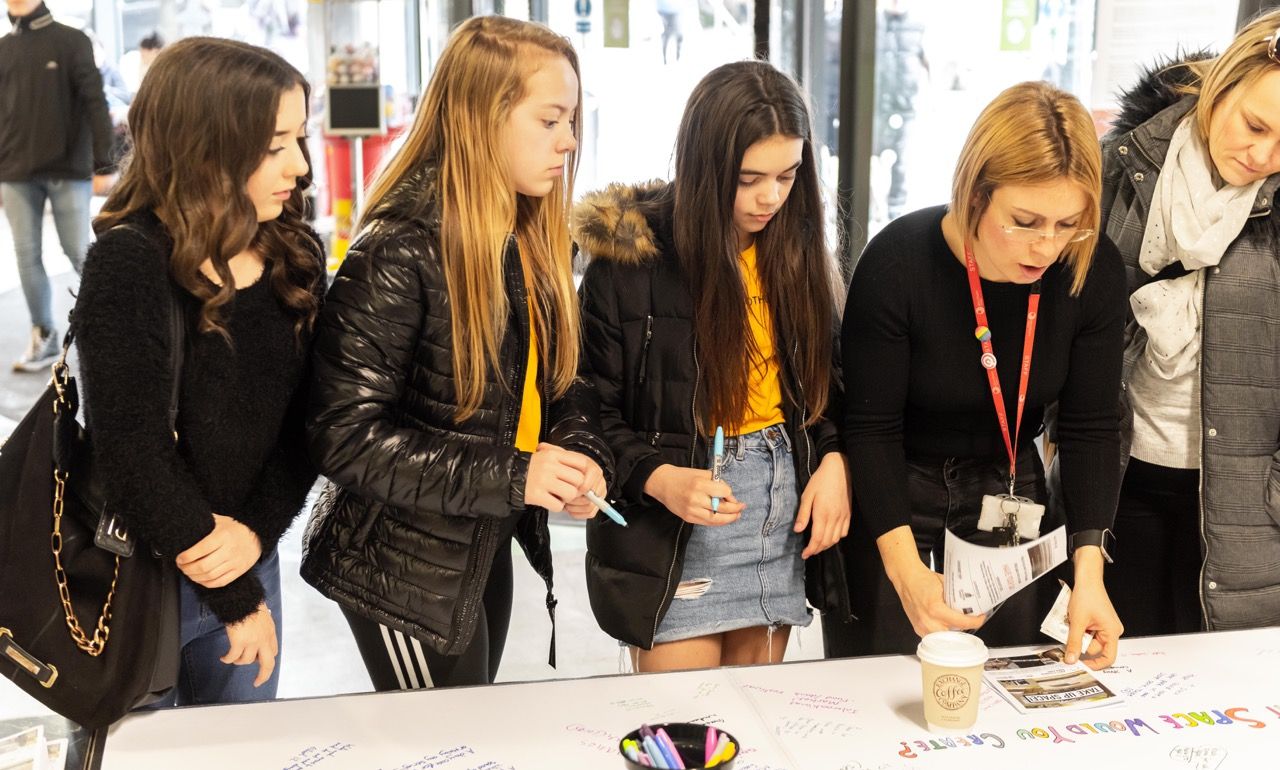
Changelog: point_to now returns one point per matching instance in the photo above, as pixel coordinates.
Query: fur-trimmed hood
(627, 223)
(1150, 113)
(1160, 86)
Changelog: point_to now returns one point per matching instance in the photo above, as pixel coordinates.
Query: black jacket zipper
(693, 449)
(484, 527)
(644, 350)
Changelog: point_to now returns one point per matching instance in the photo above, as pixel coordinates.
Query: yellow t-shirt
(764, 401)
(530, 426)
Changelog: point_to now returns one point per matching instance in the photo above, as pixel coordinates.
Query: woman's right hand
(687, 493)
(920, 588)
(254, 639)
(223, 555)
(555, 477)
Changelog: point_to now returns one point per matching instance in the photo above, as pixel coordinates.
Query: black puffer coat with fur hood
(638, 350)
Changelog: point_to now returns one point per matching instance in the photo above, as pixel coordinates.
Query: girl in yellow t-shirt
(710, 302)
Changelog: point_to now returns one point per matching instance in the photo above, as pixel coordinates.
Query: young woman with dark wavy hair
(209, 211)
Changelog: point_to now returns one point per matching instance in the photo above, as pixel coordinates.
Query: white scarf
(1191, 221)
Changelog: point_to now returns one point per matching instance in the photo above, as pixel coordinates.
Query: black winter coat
(639, 350)
(420, 504)
(52, 107)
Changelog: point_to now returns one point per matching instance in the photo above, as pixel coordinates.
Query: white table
(1196, 701)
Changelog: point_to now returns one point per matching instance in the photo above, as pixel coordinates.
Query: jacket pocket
(1251, 608)
(367, 517)
(1273, 491)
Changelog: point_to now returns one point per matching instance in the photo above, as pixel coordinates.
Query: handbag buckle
(112, 535)
(44, 673)
(61, 378)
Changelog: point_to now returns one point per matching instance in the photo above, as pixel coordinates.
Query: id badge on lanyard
(1008, 515)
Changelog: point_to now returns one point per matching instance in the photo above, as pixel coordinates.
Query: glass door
(938, 63)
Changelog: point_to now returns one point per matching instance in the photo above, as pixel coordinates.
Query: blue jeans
(202, 677)
(24, 208)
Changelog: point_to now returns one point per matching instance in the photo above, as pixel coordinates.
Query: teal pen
(603, 505)
(717, 463)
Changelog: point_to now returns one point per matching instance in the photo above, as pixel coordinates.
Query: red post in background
(337, 160)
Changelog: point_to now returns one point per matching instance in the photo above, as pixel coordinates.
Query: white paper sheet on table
(819, 715)
(977, 578)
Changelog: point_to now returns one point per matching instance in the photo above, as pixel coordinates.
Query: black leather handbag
(89, 619)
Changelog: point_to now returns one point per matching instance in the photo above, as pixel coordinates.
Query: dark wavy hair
(735, 106)
(201, 124)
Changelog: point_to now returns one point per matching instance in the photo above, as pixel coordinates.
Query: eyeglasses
(1031, 235)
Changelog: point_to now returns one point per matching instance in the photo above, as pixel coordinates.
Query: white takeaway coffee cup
(951, 666)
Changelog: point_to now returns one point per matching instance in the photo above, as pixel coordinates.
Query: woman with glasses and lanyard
(1191, 171)
(963, 323)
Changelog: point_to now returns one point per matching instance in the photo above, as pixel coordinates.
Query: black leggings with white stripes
(396, 661)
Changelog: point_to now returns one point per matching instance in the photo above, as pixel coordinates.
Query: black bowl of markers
(689, 739)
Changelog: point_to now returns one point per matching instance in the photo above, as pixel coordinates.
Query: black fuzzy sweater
(241, 451)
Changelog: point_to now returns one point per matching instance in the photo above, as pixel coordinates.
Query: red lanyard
(989, 357)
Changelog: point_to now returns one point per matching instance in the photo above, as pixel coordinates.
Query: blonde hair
(482, 74)
(1032, 133)
(1245, 60)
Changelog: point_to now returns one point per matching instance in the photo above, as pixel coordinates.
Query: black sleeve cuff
(633, 488)
(235, 601)
(519, 477)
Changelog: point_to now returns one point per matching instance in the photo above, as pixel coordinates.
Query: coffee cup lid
(952, 648)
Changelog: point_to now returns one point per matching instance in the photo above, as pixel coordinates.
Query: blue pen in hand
(717, 463)
(604, 506)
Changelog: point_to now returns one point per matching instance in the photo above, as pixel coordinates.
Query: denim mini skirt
(748, 573)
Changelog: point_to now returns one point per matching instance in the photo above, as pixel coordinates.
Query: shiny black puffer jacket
(419, 504)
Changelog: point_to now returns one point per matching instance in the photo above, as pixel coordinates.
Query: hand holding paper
(919, 588)
(977, 578)
(1055, 624)
(1090, 609)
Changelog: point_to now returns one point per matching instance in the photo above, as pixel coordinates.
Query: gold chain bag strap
(96, 645)
(112, 533)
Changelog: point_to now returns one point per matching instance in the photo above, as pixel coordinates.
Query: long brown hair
(1031, 133)
(735, 106)
(481, 76)
(201, 124)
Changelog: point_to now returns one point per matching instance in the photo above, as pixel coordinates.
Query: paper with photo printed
(977, 578)
(1041, 682)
